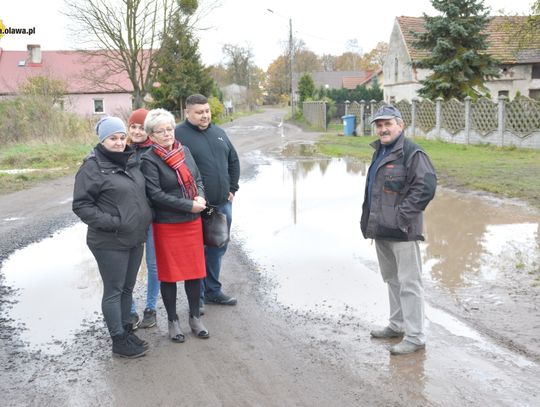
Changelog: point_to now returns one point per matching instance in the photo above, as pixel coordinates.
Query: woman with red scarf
(175, 189)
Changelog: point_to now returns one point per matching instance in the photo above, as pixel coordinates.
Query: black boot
(134, 338)
(125, 348)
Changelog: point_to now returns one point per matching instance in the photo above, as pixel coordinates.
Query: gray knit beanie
(108, 126)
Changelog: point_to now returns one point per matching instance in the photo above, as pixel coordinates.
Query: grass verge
(504, 171)
(39, 162)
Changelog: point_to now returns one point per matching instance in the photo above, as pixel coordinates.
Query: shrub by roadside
(39, 140)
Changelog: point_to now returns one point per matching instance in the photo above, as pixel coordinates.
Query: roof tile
(503, 36)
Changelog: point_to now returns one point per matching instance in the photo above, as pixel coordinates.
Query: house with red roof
(520, 64)
(371, 77)
(333, 79)
(91, 91)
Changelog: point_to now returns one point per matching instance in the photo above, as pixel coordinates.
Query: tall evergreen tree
(457, 46)
(306, 87)
(180, 70)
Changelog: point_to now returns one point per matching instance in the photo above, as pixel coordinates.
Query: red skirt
(179, 251)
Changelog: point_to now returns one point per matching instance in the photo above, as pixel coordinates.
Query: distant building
(235, 96)
(334, 79)
(86, 94)
(520, 66)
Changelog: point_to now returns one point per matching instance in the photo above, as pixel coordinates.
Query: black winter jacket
(111, 200)
(216, 158)
(405, 182)
(168, 203)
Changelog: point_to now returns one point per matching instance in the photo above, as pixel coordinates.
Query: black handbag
(215, 227)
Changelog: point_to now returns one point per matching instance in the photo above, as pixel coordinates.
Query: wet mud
(309, 291)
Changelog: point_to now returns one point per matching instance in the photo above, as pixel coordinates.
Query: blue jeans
(210, 285)
(152, 287)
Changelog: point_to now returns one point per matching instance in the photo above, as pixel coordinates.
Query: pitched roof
(74, 68)
(503, 39)
(334, 79)
(351, 82)
(370, 77)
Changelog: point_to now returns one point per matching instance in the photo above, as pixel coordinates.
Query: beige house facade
(520, 64)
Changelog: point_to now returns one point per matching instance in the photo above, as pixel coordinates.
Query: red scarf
(175, 158)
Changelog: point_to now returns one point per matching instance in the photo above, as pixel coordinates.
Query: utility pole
(291, 62)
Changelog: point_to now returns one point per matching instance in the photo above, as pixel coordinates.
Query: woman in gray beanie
(109, 196)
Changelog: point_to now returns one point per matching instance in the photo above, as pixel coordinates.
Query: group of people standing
(148, 184)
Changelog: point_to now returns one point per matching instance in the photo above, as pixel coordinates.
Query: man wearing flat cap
(401, 181)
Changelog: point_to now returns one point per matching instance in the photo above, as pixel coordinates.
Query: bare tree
(239, 62)
(123, 36)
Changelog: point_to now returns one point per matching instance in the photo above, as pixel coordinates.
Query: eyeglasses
(161, 133)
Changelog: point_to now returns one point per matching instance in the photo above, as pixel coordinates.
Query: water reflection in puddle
(299, 219)
(58, 286)
(471, 240)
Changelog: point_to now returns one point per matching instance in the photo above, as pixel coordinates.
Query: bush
(216, 107)
(35, 116)
(27, 118)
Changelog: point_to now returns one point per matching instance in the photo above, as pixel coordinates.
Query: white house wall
(516, 79)
(406, 85)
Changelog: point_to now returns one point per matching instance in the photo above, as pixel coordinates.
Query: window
(504, 93)
(534, 94)
(535, 71)
(98, 106)
(396, 68)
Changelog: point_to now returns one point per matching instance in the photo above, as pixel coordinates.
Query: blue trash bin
(349, 122)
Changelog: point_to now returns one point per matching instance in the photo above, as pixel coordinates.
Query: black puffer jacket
(168, 203)
(111, 200)
(405, 182)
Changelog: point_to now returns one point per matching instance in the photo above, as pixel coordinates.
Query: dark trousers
(118, 269)
(168, 293)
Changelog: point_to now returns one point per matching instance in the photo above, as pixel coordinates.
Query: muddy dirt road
(264, 352)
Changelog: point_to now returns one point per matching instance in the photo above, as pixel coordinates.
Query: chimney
(34, 54)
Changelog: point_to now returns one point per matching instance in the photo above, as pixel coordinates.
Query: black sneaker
(149, 319)
(134, 338)
(124, 348)
(134, 320)
(220, 299)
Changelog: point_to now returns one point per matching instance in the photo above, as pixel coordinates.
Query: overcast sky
(325, 27)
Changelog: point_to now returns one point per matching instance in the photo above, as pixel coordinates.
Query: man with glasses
(219, 165)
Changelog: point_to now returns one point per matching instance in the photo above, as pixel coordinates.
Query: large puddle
(298, 220)
(58, 288)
